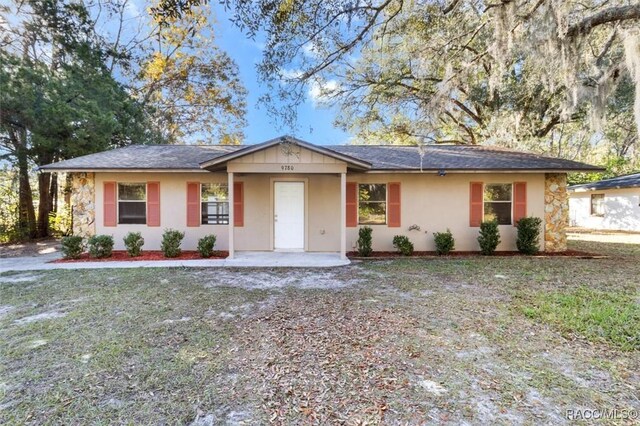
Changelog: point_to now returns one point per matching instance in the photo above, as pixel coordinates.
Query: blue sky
(314, 124)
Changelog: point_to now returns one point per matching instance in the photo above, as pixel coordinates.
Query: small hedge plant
(489, 237)
(403, 245)
(100, 246)
(363, 245)
(206, 245)
(171, 240)
(72, 247)
(133, 242)
(445, 242)
(528, 235)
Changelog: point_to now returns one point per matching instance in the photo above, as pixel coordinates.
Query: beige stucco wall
(322, 212)
(289, 163)
(432, 202)
(436, 203)
(322, 193)
(173, 209)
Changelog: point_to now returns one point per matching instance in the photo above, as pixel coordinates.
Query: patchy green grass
(612, 317)
(480, 340)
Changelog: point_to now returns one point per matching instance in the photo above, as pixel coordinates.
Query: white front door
(288, 215)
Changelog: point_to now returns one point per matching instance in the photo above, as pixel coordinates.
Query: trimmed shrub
(403, 245)
(489, 237)
(445, 242)
(206, 245)
(72, 247)
(363, 245)
(528, 235)
(171, 240)
(133, 241)
(100, 246)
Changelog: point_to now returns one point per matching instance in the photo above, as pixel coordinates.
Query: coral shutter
(109, 204)
(238, 204)
(519, 201)
(352, 204)
(153, 203)
(193, 204)
(476, 198)
(394, 205)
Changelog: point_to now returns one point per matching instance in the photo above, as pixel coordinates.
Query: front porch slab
(286, 259)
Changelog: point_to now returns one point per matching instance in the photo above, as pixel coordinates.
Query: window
(597, 204)
(132, 203)
(372, 204)
(497, 203)
(215, 204)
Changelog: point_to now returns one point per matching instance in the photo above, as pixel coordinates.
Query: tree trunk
(26, 212)
(53, 193)
(44, 203)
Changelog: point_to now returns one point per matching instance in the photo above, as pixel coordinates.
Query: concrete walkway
(241, 260)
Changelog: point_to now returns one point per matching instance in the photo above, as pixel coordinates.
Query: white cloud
(310, 50)
(321, 92)
(132, 9)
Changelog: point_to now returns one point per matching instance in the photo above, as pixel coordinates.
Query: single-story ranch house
(290, 195)
(609, 204)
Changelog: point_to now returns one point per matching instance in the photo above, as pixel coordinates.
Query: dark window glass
(132, 212)
(132, 191)
(497, 203)
(132, 204)
(372, 205)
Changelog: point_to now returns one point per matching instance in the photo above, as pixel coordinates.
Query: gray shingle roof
(381, 157)
(145, 157)
(456, 157)
(626, 181)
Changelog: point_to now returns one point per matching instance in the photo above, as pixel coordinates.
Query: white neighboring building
(610, 204)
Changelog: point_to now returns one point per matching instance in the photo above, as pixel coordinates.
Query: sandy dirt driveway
(605, 237)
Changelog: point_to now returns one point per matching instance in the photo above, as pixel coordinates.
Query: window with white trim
(498, 202)
(372, 204)
(214, 198)
(597, 205)
(132, 203)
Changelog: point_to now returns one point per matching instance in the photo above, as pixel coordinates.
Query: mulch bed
(122, 255)
(378, 255)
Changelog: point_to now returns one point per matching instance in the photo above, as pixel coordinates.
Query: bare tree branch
(613, 14)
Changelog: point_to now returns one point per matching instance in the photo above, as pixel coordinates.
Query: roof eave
(485, 170)
(47, 169)
(581, 188)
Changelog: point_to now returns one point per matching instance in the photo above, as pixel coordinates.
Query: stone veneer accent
(83, 203)
(556, 212)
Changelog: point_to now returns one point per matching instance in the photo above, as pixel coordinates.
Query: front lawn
(611, 316)
(476, 340)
